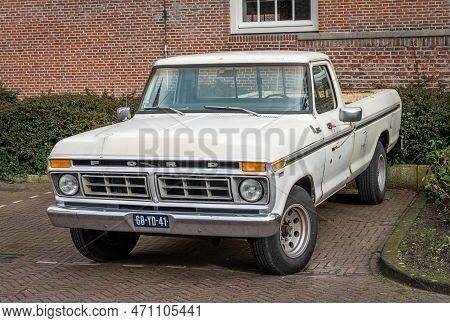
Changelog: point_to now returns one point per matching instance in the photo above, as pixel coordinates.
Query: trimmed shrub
(425, 119)
(30, 128)
(437, 181)
(7, 96)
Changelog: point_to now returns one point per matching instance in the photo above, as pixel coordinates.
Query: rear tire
(289, 250)
(372, 182)
(103, 246)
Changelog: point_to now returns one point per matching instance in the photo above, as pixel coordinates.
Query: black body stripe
(377, 116)
(316, 146)
(326, 141)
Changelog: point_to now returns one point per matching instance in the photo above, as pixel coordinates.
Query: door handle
(331, 125)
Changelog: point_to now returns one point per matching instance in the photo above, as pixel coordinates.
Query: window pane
(272, 82)
(216, 83)
(161, 89)
(261, 88)
(284, 10)
(323, 90)
(246, 82)
(302, 9)
(267, 10)
(250, 10)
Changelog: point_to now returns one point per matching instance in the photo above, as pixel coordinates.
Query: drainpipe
(164, 15)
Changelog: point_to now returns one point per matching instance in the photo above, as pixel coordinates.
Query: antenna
(164, 15)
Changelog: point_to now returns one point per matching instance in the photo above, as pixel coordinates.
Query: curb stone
(393, 268)
(31, 179)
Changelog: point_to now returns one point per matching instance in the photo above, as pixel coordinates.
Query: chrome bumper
(238, 226)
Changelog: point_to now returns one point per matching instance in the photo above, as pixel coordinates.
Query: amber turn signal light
(253, 167)
(278, 165)
(60, 163)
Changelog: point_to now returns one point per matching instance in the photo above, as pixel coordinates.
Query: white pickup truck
(238, 145)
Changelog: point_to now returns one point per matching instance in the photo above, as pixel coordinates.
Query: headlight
(251, 190)
(68, 184)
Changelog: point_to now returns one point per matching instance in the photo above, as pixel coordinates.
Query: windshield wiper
(166, 108)
(213, 107)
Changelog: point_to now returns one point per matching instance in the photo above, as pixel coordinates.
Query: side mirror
(348, 114)
(124, 114)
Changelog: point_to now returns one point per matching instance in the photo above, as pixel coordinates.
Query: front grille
(194, 188)
(115, 186)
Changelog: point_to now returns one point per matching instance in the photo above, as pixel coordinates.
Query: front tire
(372, 182)
(289, 250)
(103, 246)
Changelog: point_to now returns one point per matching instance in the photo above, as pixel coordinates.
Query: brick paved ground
(343, 267)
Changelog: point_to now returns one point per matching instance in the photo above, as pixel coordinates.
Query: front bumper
(190, 224)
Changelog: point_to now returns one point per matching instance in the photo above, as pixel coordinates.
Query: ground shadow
(346, 198)
(232, 254)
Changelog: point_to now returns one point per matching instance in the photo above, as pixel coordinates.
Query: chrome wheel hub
(381, 172)
(295, 231)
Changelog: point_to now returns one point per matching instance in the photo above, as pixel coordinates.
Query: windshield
(261, 89)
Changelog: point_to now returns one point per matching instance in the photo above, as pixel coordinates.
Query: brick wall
(388, 62)
(378, 15)
(68, 45)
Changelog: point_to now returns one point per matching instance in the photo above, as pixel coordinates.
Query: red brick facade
(72, 45)
(379, 15)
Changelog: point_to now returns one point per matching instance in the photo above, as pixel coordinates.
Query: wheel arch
(384, 139)
(307, 183)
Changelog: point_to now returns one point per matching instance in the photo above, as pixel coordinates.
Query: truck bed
(350, 96)
(372, 102)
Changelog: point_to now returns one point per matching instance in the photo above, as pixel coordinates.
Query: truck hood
(208, 136)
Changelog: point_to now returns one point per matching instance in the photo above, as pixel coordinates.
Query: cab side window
(323, 89)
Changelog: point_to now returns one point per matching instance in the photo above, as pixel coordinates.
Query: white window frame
(238, 26)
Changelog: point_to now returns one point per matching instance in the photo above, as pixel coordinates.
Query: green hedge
(7, 96)
(437, 181)
(425, 122)
(30, 128)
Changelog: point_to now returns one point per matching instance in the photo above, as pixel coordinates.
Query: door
(338, 136)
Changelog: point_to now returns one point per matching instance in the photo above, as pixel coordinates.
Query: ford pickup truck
(236, 145)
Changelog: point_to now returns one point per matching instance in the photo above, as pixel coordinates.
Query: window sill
(272, 28)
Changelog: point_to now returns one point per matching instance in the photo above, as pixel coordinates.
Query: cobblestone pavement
(38, 262)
